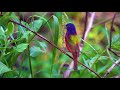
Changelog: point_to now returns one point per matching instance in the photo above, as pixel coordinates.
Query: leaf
(93, 60)
(115, 38)
(11, 74)
(10, 29)
(56, 28)
(34, 51)
(103, 57)
(56, 34)
(85, 61)
(2, 48)
(20, 28)
(21, 47)
(43, 46)
(2, 32)
(2, 35)
(116, 41)
(4, 68)
(36, 24)
(46, 21)
(102, 69)
(6, 17)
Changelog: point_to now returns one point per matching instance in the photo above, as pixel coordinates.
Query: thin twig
(111, 68)
(118, 76)
(85, 27)
(109, 55)
(111, 32)
(112, 29)
(51, 44)
(68, 71)
(113, 52)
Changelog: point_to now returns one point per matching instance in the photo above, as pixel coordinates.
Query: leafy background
(25, 55)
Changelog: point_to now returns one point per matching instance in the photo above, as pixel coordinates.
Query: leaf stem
(30, 64)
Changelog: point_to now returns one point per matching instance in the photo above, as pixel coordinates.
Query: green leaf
(2, 32)
(2, 48)
(36, 24)
(102, 69)
(10, 29)
(103, 57)
(4, 68)
(85, 61)
(2, 35)
(11, 74)
(34, 51)
(116, 41)
(56, 28)
(56, 34)
(46, 22)
(43, 46)
(93, 60)
(21, 47)
(6, 17)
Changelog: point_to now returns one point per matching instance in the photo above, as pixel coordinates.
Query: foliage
(18, 46)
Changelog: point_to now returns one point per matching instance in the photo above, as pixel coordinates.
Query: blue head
(71, 29)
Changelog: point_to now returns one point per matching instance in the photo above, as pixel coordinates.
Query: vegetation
(32, 45)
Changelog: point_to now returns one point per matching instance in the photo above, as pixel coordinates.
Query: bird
(72, 42)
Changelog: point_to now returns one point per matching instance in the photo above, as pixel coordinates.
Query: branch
(112, 29)
(89, 25)
(109, 55)
(113, 52)
(111, 68)
(85, 27)
(51, 44)
(86, 31)
(116, 76)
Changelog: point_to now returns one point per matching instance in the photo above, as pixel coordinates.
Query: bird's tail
(75, 58)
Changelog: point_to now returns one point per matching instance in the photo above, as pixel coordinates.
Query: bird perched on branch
(72, 42)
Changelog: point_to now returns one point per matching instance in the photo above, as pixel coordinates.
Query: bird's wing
(72, 43)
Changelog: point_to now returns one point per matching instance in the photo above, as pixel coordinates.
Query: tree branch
(52, 44)
(113, 52)
(111, 68)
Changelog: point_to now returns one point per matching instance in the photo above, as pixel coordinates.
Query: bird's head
(70, 28)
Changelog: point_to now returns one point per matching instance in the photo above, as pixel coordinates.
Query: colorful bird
(72, 42)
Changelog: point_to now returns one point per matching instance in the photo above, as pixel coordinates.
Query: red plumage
(74, 49)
